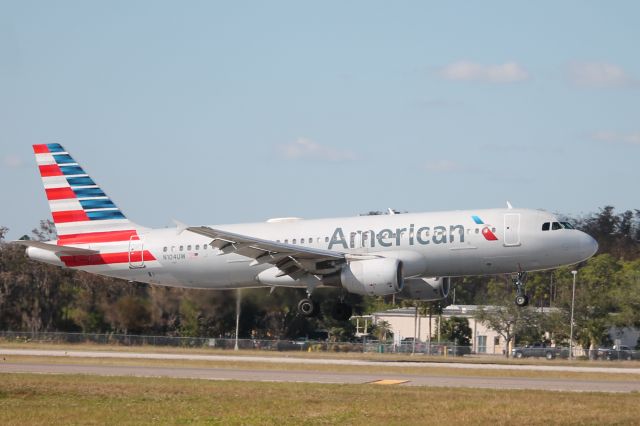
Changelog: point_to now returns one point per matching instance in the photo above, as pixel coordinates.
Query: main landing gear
(340, 311)
(308, 308)
(522, 299)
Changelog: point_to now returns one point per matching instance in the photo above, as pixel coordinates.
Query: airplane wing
(292, 260)
(58, 250)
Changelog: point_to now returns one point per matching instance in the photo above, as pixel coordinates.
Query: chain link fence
(302, 345)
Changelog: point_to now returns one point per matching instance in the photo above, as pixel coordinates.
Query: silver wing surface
(292, 260)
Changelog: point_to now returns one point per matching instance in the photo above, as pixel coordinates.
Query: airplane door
(512, 229)
(136, 253)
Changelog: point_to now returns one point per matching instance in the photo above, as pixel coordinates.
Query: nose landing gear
(519, 279)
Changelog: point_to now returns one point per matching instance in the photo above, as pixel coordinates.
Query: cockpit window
(545, 226)
(555, 226)
(567, 225)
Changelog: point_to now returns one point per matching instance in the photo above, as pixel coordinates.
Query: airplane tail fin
(82, 212)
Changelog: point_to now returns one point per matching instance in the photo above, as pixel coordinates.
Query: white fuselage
(436, 244)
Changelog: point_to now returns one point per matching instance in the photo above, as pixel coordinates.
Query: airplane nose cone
(588, 245)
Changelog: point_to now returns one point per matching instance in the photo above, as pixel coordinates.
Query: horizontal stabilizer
(58, 250)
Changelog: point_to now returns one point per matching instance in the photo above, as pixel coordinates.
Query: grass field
(71, 399)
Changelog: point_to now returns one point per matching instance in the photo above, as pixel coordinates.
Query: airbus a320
(410, 255)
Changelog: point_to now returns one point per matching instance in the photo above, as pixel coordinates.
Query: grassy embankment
(43, 399)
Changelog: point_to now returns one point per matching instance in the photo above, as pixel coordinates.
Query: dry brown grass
(45, 399)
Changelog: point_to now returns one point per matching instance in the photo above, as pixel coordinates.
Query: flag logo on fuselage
(486, 230)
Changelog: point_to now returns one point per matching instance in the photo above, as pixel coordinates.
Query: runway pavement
(287, 374)
(315, 361)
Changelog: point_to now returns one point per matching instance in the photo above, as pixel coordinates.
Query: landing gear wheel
(341, 312)
(518, 282)
(307, 308)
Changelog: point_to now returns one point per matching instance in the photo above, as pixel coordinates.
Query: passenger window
(293, 241)
(477, 230)
(181, 248)
(197, 246)
(545, 226)
(493, 229)
(555, 226)
(277, 241)
(164, 249)
(301, 240)
(204, 247)
(189, 247)
(173, 248)
(286, 241)
(326, 239)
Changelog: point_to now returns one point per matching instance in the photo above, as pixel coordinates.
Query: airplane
(411, 255)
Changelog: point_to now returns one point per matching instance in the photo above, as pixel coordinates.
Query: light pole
(238, 296)
(573, 300)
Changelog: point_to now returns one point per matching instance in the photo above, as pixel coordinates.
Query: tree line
(40, 297)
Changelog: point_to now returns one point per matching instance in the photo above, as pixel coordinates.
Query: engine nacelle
(373, 277)
(427, 289)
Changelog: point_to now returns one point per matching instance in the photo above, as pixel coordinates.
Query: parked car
(618, 352)
(539, 350)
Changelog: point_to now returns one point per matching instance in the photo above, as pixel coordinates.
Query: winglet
(180, 227)
(509, 206)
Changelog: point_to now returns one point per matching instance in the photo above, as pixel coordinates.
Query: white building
(405, 323)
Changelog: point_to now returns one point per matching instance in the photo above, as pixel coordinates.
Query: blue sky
(222, 112)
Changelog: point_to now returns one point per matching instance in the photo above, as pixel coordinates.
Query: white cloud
(617, 138)
(509, 72)
(303, 148)
(12, 162)
(599, 74)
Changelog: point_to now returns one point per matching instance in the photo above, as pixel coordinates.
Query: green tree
(507, 319)
(131, 314)
(189, 319)
(381, 331)
(457, 330)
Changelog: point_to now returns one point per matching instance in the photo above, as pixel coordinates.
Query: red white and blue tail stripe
(83, 214)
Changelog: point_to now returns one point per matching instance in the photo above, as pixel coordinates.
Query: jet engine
(427, 289)
(373, 277)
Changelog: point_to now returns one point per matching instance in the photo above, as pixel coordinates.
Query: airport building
(406, 324)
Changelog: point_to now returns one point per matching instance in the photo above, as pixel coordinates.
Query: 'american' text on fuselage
(390, 237)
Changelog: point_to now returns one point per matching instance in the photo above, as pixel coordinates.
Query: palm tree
(382, 330)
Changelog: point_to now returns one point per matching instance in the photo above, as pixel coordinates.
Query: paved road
(315, 361)
(425, 378)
